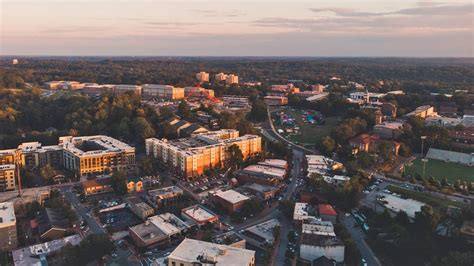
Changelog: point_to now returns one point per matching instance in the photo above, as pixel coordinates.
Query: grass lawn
(435, 202)
(309, 134)
(440, 169)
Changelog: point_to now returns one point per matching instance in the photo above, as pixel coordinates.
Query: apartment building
(220, 77)
(192, 156)
(7, 177)
(168, 92)
(32, 155)
(202, 76)
(7, 156)
(195, 252)
(96, 154)
(231, 79)
(8, 235)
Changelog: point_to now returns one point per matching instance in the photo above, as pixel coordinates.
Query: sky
(237, 28)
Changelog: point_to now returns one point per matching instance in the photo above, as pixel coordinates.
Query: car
(347, 214)
(114, 255)
(366, 192)
(148, 253)
(363, 262)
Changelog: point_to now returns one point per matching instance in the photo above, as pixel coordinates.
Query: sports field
(440, 170)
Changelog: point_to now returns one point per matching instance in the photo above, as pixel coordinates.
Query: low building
(7, 177)
(315, 226)
(198, 92)
(134, 184)
(320, 164)
(276, 163)
(441, 121)
(264, 192)
(147, 234)
(230, 238)
(389, 109)
(370, 143)
(397, 204)
(318, 88)
(36, 254)
(195, 252)
(264, 175)
(263, 232)
(327, 213)
(302, 211)
(52, 224)
(275, 100)
(389, 130)
(164, 196)
(139, 207)
(8, 233)
(171, 225)
(122, 89)
(230, 200)
(236, 102)
(318, 97)
(423, 112)
(315, 246)
(200, 215)
(95, 186)
(167, 92)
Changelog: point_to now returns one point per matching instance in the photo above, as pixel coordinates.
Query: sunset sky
(237, 28)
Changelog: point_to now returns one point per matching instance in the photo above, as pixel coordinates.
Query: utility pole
(424, 160)
(422, 145)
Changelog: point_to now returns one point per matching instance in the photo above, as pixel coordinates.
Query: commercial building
(96, 89)
(139, 207)
(275, 100)
(321, 165)
(8, 235)
(202, 76)
(164, 196)
(230, 200)
(168, 92)
(327, 213)
(200, 215)
(157, 230)
(263, 232)
(194, 252)
(317, 227)
(397, 204)
(303, 211)
(231, 79)
(366, 97)
(122, 89)
(443, 121)
(389, 130)
(7, 177)
(276, 163)
(261, 174)
(96, 154)
(284, 89)
(96, 186)
(198, 92)
(313, 247)
(262, 191)
(423, 111)
(63, 85)
(236, 102)
(192, 156)
(230, 238)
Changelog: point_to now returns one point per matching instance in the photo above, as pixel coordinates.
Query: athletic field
(440, 170)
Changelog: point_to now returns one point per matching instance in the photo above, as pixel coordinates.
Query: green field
(440, 169)
(309, 134)
(433, 201)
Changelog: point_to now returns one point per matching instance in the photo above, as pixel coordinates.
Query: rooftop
(101, 145)
(199, 213)
(317, 227)
(320, 240)
(265, 170)
(326, 209)
(165, 192)
(390, 125)
(265, 230)
(7, 214)
(7, 167)
(278, 163)
(195, 251)
(168, 223)
(396, 204)
(231, 196)
(148, 232)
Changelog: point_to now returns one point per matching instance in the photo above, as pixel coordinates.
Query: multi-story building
(220, 77)
(139, 207)
(122, 89)
(96, 154)
(230, 200)
(164, 196)
(7, 177)
(202, 76)
(7, 156)
(8, 236)
(192, 156)
(231, 79)
(168, 92)
(33, 155)
(389, 130)
(314, 246)
(195, 252)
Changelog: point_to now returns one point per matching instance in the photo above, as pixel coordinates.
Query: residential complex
(7, 177)
(8, 235)
(192, 156)
(202, 76)
(152, 91)
(232, 79)
(196, 252)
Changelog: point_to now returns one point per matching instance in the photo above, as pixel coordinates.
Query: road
(359, 238)
(81, 211)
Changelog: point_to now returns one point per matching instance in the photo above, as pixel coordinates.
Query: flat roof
(265, 229)
(7, 214)
(7, 167)
(148, 231)
(320, 240)
(396, 204)
(266, 170)
(279, 163)
(168, 223)
(232, 196)
(195, 251)
(301, 209)
(165, 192)
(107, 145)
(316, 227)
(199, 213)
(327, 209)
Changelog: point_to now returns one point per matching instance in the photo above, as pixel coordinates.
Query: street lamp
(422, 144)
(424, 160)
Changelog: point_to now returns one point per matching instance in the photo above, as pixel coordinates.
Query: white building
(8, 236)
(195, 252)
(315, 246)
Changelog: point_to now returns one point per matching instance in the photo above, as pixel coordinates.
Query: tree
(327, 145)
(47, 172)
(316, 180)
(385, 150)
(258, 112)
(236, 157)
(184, 110)
(142, 128)
(119, 182)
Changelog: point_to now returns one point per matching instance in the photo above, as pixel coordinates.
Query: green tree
(258, 112)
(327, 145)
(119, 182)
(236, 157)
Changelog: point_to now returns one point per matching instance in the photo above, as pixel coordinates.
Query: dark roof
(323, 261)
(193, 127)
(180, 123)
(51, 218)
(96, 182)
(320, 241)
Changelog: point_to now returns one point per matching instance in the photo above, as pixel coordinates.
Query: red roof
(326, 209)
